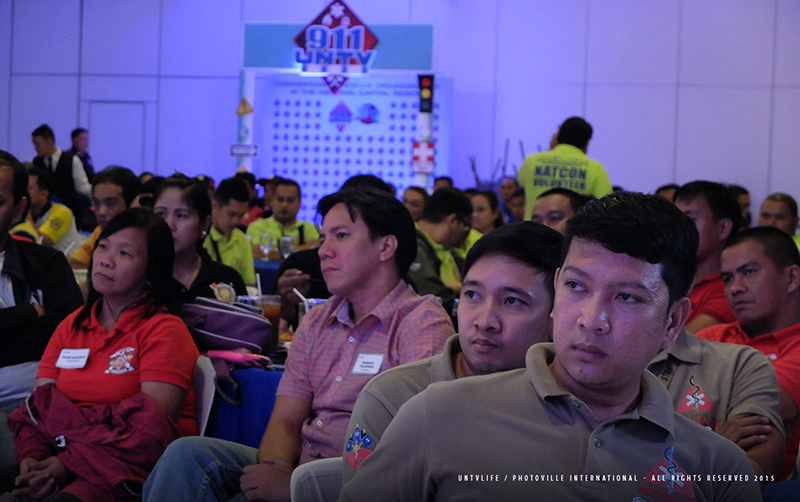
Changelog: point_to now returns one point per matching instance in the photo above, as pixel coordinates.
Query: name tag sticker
(368, 364)
(72, 359)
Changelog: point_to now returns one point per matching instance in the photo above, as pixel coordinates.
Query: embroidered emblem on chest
(695, 399)
(357, 447)
(667, 477)
(120, 361)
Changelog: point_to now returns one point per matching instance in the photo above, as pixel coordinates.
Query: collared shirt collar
(655, 398)
(55, 157)
(126, 322)
(686, 348)
(441, 369)
(12, 266)
(569, 148)
(214, 234)
(384, 310)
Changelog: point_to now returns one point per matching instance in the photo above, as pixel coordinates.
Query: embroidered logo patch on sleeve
(358, 445)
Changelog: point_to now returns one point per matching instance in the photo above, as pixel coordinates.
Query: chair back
(204, 391)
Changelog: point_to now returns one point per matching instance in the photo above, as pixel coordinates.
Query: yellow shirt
(276, 230)
(234, 252)
(84, 253)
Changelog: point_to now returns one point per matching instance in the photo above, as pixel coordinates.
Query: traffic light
(426, 93)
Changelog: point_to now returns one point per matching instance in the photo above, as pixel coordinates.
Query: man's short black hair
(288, 182)
(122, 177)
(531, 243)
(44, 178)
(365, 182)
(777, 245)
(231, 189)
(519, 192)
(738, 190)
(575, 131)
(786, 199)
(19, 175)
(576, 200)
(647, 227)
(248, 177)
(722, 202)
(445, 202)
(77, 132)
(446, 179)
(44, 131)
(383, 214)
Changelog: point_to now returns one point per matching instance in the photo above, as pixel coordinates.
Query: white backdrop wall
(676, 90)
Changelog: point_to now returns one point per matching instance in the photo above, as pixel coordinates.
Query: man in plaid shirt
(373, 321)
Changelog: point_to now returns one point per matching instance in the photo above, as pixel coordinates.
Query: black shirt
(211, 272)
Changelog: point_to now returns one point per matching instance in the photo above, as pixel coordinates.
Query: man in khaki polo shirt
(504, 308)
(584, 420)
(731, 389)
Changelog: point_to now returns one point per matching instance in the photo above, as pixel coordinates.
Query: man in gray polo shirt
(505, 305)
(584, 420)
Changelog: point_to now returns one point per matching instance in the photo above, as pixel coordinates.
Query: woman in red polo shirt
(115, 382)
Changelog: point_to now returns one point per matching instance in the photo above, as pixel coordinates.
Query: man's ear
(725, 226)
(555, 288)
(676, 318)
(388, 247)
(20, 208)
(793, 274)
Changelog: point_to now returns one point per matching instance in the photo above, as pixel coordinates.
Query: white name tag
(368, 364)
(72, 359)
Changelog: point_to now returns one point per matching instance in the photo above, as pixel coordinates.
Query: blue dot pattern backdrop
(369, 126)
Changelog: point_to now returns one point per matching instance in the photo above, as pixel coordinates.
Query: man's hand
(293, 278)
(268, 480)
(40, 480)
(746, 430)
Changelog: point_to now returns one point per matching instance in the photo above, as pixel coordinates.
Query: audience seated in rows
(761, 273)
(37, 290)
(184, 205)
(717, 216)
(114, 380)
(113, 191)
(225, 243)
(373, 322)
(505, 308)
(620, 299)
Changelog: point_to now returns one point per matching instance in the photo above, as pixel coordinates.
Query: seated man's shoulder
(731, 353)
(401, 382)
(496, 391)
(42, 256)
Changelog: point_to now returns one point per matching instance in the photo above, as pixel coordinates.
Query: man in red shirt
(761, 273)
(715, 211)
